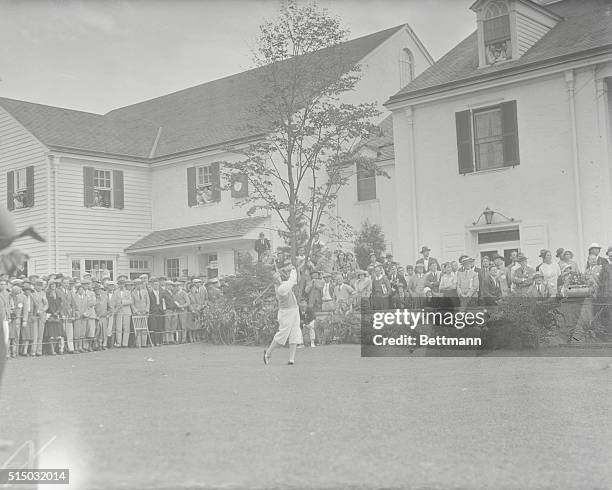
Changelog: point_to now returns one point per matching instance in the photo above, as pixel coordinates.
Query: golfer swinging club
(288, 315)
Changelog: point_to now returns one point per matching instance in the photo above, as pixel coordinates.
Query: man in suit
(102, 311)
(156, 312)
(595, 249)
(314, 290)
(64, 294)
(262, 247)
(426, 259)
(381, 290)
(538, 290)
(523, 276)
(467, 282)
(140, 307)
(39, 318)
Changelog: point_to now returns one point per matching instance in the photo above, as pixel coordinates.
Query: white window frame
(98, 188)
(406, 65)
(142, 266)
(501, 10)
(475, 158)
(82, 270)
(20, 188)
(203, 186)
(167, 269)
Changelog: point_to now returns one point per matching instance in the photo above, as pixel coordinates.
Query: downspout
(570, 82)
(50, 239)
(54, 167)
(413, 185)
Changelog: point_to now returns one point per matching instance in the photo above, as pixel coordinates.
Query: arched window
(406, 66)
(496, 27)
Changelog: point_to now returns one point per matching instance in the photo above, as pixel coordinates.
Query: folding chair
(141, 325)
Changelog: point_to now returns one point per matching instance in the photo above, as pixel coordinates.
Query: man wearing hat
(381, 290)
(5, 312)
(65, 296)
(467, 282)
(426, 259)
(314, 290)
(18, 315)
(523, 276)
(262, 247)
(595, 249)
(26, 334)
(39, 315)
(539, 289)
(122, 304)
(214, 292)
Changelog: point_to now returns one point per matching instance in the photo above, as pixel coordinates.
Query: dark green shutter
(10, 190)
(118, 194)
(463, 121)
(29, 202)
(510, 134)
(88, 186)
(216, 180)
(191, 187)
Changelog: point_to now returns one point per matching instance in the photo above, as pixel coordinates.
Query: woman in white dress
(551, 272)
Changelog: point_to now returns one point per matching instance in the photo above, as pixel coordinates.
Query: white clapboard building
(136, 190)
(505, 142)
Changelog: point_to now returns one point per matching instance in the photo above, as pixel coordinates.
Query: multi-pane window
(102, 188)
(20, 189)
(366, 183)
(212, 269)
(99, 269)
(139, 267)
(496, 27)
(173, 268)
(406, 65)
(76, 268)
(488, 139)
(204, 184)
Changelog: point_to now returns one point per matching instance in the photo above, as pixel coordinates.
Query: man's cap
(16, 282)
(461, 258)
(110, 283)
(467, 258)
(137, 281)
(425, 248)
(39, 282)
(197, 281)
(27, 285)
(521, 257)
(594, 245)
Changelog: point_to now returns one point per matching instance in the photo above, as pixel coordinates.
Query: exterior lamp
(488, 214)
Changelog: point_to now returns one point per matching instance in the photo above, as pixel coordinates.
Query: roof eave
(398, 98)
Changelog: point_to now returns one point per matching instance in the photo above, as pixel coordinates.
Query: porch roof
(236, 228)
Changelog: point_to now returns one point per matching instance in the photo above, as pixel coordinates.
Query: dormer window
(496, 29)
(406, 66)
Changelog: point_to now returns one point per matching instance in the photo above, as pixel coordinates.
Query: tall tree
(308, 138)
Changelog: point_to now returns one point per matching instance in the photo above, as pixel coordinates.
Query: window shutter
(463, 121)
(30, 186)
(191, 187)
(244, 190)
(10, 190)
(510, 134)
(216, 179)
(118, 194)
(88, 186)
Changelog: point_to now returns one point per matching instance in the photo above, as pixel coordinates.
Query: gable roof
(207, 115)
(585, 28)
(199, 233)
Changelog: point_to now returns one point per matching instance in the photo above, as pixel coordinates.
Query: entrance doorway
(499, 242)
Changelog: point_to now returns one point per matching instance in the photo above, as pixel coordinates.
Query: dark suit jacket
(431, 259)
(262, 245)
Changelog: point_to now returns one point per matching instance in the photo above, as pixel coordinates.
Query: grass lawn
(201, 416)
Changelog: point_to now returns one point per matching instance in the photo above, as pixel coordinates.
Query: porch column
(405, 173)
(604, 137)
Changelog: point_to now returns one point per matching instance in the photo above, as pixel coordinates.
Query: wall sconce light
(488, 214)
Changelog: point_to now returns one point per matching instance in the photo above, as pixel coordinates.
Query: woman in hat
(28, 324)
(416, 286)
(53, 328)
(567, 262)
(363, 288)
(550, 271)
